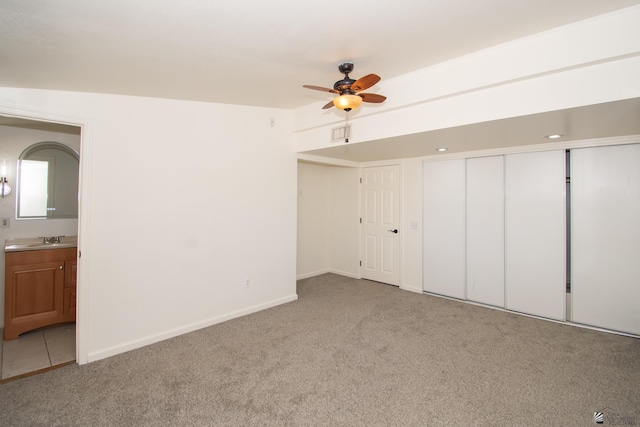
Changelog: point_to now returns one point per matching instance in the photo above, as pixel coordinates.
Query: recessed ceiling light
(441, 149)
(554, 136)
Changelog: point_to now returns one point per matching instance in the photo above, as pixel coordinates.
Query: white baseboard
(312, 274)
(151, 339)
(346, 274)
(410, 288)
(328, 270)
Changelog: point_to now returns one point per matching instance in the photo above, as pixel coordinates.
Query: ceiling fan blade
(365, 82)
(372, 97)
(323, 89)
(328, 105)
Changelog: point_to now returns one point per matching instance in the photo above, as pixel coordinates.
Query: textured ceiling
(253, 52)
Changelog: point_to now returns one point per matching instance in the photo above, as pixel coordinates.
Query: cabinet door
(69, 298)
(69, 305)
(70, 273)
(535, 233)
(443, 224)
(605, 233)
(33, 297)
(485, 230)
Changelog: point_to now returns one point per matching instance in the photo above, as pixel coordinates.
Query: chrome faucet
(52, 239)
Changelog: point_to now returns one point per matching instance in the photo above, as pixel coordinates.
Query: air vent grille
(340, 134)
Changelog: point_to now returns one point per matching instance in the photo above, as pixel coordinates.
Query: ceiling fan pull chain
(346, 127)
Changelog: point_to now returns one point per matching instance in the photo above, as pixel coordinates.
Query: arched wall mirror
(47, 182)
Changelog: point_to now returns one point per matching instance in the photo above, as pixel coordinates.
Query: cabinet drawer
(33, 257)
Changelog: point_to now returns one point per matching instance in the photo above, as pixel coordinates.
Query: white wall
(181, 203)
(411, 274)
(313, 217)
(343, 221)
(13, 141)
(328, 215)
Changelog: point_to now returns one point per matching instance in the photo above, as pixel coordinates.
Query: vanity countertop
(37, 244)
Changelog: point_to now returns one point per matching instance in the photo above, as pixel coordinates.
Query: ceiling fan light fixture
(347, 102)
(349, 91)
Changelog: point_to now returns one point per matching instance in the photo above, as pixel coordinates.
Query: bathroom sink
(36, 244)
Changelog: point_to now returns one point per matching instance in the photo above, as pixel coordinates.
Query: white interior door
(381, 224)
(605, 207)
(535, 233)
(485, 230)
(444, 227)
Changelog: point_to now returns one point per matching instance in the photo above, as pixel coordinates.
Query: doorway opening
(56, 345)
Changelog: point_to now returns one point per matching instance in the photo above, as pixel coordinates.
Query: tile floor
(38, 349)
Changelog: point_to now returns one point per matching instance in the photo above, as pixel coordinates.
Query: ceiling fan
(348, 90)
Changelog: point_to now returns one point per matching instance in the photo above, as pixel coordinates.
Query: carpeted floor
(349, 353)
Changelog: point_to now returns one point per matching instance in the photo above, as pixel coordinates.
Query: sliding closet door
(485, 230)
(443, 223)
(535, 233)
(605, 206)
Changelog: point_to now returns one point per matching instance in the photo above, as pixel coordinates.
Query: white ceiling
(260, 53)
(253, 52)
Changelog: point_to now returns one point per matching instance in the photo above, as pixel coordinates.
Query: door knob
(394, 231)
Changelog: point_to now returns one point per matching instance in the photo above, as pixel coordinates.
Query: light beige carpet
(348, 353)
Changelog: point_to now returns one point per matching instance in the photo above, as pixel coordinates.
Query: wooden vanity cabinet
(40, 289)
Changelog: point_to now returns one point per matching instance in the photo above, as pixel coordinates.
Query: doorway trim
(84, 205)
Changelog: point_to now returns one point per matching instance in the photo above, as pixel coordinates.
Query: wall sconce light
(347, 102)
(5, 188)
